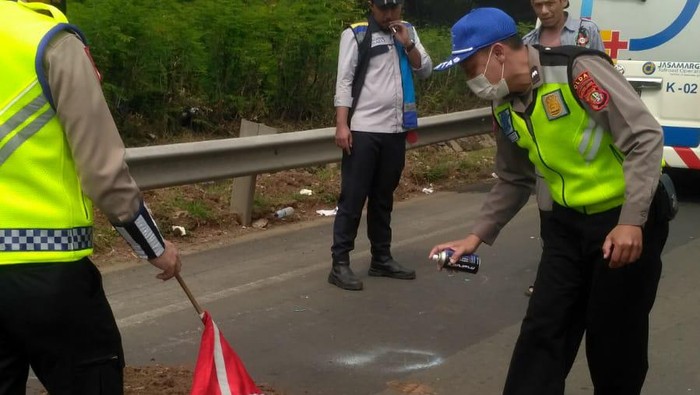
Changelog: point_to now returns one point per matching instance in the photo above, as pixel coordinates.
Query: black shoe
(342, 276)
(390, 268)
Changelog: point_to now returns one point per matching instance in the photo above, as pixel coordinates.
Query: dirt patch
(153, 380)
(159, 380)
(166, 380)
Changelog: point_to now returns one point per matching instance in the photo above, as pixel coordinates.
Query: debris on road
(179, 230)
(260, 224)
(327, 213)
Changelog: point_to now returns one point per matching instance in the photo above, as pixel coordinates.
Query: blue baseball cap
(478, 29)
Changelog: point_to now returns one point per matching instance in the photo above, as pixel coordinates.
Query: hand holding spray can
(467, 263)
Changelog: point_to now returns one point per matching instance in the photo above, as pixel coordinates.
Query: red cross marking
(615, 44)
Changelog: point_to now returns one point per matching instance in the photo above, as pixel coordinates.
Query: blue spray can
(467, 263)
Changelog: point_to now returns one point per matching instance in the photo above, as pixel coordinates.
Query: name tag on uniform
(505, 120)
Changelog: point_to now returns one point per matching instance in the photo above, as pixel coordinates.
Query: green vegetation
(271, 61)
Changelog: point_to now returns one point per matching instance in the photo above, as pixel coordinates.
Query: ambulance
(656, 45)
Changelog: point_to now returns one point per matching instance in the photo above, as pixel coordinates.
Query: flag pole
(189, 294)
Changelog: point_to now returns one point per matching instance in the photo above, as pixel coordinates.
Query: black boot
(388, 267)
(342, 276)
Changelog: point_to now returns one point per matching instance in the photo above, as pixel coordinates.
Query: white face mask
(483, 88)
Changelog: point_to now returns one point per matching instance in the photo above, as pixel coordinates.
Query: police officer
(59, 151)
(567, 112)
(558, 28)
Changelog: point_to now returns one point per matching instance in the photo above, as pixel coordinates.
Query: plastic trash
(327, 213)
(285, 212)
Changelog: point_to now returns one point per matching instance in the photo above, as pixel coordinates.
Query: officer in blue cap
(568, 113)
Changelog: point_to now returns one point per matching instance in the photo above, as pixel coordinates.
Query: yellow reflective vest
(44, 214)
(576, 156)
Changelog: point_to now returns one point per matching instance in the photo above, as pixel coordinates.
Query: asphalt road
(438, 334)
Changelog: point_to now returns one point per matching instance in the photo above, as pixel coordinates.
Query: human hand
(400, 32)
(168, 262)
(343, 138)
(623, 245)
(461, 247)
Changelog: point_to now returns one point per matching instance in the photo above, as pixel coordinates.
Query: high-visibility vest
(577, 157)
(44, 214)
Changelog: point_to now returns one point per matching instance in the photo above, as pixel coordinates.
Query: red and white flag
(219, 371)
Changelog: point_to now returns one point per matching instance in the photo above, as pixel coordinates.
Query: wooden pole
(189, 294)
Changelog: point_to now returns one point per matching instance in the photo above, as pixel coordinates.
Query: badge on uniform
(554, 105)
(534, 75)
(505, 120)
(588, 91)
(583, 37)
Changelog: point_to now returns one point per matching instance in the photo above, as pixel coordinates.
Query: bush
(201, 64)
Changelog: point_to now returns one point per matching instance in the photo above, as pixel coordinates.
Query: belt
(599, 207)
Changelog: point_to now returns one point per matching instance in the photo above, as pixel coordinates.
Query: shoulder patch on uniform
(94, 66)
(588, 91)
(554, 105)
(505, 121)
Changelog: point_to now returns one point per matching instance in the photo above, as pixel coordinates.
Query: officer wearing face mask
(568, 113)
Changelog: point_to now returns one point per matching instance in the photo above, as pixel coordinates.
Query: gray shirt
(576, 31)
(380, 105)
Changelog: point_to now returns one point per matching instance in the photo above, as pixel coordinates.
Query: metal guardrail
(188, 163)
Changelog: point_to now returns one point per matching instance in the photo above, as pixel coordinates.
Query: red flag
(412, 136)
(219, 371)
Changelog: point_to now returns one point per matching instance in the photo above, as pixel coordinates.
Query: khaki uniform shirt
(95, 142)
(635, 132)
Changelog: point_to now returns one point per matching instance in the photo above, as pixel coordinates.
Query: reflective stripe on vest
(46, 239)
(28, 130)
(44, 214)
(576, 156)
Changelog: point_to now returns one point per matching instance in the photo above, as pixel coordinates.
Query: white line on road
(153, 314)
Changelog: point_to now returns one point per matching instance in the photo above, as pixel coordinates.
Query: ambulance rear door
(656, 43)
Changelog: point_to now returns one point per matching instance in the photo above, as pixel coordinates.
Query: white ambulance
(656, 44)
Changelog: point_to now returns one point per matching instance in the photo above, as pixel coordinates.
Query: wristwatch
(410, 47)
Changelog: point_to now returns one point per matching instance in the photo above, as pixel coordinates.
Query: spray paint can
(467, 263)
(285, 212)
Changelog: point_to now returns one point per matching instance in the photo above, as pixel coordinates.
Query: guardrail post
(243, 191)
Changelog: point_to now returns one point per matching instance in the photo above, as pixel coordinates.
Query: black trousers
(56, 318)
(371, 173)
(576, 293)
